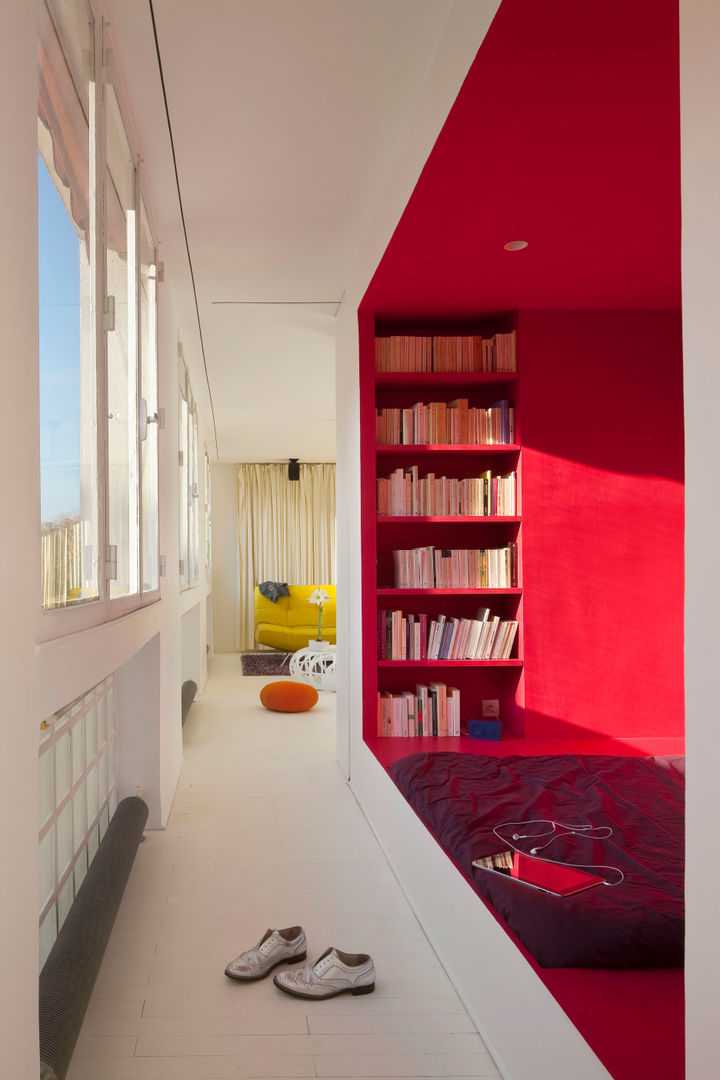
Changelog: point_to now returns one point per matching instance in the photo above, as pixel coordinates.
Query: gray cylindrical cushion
(69, 973)
(189, 690)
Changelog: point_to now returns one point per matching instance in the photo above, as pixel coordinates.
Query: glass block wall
(77, 795)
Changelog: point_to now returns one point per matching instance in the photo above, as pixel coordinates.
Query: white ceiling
(286, 116)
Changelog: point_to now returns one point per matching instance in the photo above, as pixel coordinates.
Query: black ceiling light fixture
(294, 469)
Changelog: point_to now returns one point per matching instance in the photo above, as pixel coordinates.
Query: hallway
(265, 832)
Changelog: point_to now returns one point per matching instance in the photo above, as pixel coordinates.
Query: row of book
(404, 493)
(468, 353)
(451, 568)
(446, 423)
(408, 636)
(429, 710)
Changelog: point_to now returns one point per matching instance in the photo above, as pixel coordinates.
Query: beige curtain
(286, 530)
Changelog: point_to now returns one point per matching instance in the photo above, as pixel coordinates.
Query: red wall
(601, 418)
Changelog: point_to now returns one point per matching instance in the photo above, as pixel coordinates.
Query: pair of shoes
(333, 973)
(274, 947)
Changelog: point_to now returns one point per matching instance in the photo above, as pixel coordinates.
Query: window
(194, 498)
(77, 798)
(188, 483)
(122, 366)
(150, 419)
(208, 519)
(98, 334)
(67, 275)
(183, 500)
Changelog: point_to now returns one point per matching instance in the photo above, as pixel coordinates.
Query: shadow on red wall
(601, 422)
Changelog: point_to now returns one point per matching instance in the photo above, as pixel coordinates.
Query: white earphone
(593, 832)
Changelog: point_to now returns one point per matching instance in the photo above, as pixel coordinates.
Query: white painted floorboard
(265, 832)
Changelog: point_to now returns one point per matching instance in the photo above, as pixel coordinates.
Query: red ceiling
(566, 133)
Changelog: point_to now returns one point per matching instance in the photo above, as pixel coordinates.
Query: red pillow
(288, 696)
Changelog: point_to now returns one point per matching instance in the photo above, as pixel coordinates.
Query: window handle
(143, 419)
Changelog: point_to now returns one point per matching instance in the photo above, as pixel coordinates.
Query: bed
(636, 924)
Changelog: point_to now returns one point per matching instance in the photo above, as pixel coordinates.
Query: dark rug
(275, 663)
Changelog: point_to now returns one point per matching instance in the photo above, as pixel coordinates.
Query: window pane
(66, 228)
(45, 792)
(78, 749)
(193, 496)
(110, 709)
(93, 844)
(64, 839)
(122, 353)
(208, 519)
(79, 818)
(62, 768)
(65, 899)
(91, 794)
(101, 713)
(47, 867)
(148, 377)
(90, 733)
(102, 784)
(80, 869)
(112, 763)
(184, 520)
(48, 933)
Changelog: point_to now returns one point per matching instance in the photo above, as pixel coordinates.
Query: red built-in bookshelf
(381, 535)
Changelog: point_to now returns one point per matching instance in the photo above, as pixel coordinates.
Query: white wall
(431, 883)
(225, 558)
(700, 124)
(39, 678)
(191, 647)
(19, 565)
(466, 26)
(138, 705)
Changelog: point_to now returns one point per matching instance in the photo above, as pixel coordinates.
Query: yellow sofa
(291, 621)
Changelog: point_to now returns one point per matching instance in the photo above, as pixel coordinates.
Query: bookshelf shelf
(459, 450)
(421, 380)
(399, 593)
(449, 663)
(460, 519)
(447, 546)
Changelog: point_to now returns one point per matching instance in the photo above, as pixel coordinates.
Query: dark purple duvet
(639, 923)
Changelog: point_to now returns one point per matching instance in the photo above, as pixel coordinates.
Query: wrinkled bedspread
(637, 924)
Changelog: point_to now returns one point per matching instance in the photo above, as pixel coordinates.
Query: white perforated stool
(315, 666)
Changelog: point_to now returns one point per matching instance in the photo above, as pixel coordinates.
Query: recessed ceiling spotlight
(516, 245)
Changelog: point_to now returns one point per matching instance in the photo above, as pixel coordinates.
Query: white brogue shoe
(334, 972)
(274, 947)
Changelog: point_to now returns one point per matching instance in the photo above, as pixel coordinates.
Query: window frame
(152, 594)
(188, 481)
(58, 622)
(207, 507)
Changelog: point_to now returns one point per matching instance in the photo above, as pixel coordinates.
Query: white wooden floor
(265, 832)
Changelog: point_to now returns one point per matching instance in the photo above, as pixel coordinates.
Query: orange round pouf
(288, 696)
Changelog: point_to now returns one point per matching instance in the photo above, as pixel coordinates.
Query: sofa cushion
(268, 612)
(292, 621)
(287, 696)
(290, 638)
(300, 612)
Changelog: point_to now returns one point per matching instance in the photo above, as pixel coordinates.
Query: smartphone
(550, 877)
